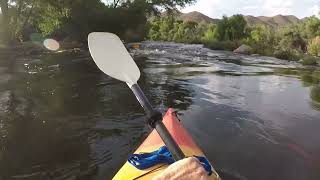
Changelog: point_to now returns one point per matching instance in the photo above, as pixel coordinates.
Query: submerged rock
(244, 49)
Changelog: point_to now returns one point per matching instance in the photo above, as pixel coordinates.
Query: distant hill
(196, 17)
(274, 21)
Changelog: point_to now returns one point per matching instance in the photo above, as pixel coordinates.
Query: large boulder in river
(244, 49)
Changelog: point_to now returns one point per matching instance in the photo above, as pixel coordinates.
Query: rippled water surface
(254, 117)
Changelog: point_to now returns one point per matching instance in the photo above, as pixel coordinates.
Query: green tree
(16, 15)
(222, 29)
(154, 4)
(52, 18)
(290, 37)
(290, 43)
(236, 27)
(170, 29)
(76, 18)
(154, 30)
(262, 39)
(233, 28)
(166, 25)
(312, 27)
(210, 34)
(5, 18)
(178, 31)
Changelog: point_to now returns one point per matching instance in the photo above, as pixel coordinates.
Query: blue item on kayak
(146, 160)
(161, 156)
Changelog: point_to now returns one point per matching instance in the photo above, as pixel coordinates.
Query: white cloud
(315, 10)
(275, 7)
(250, 7)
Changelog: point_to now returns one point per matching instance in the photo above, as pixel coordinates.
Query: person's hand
(189, 168)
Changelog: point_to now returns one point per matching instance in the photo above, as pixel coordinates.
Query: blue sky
(217, 8)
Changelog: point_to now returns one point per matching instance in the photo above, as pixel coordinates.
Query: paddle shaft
(158, 124)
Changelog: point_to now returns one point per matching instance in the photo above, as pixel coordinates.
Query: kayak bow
(154, 142)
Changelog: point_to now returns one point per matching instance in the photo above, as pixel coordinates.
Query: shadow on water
(44, 119)
(52, 105)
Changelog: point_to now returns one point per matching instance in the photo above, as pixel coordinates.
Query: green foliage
(16, 15)
(237, 27)
(288, 54)
(227, 34)
(51, 20)
(170, 29)
(233, 28)
(216, 36)
(166, 28)
(154, 31)
(210, 34)
(312, 27)
(76, 18)
(289, 43)
(290, 38)
(309, 60)
(189, 32)
(314, 46)
(223, 45)
(164, 4)
(262, 39)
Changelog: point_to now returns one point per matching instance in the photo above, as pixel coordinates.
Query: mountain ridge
(273, 21)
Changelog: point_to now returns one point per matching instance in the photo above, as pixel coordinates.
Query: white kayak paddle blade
(111, 56)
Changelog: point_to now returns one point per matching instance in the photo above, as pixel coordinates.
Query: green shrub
(315, 93)
(314, 46)
(261, 49)
(309, 60)
(223, 45)
(262, 39)
(210, 34)
(291, 55)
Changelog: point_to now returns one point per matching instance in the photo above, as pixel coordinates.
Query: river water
(255, 117)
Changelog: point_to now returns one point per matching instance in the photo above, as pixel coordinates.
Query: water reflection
(164, 90)
(315, 96)
(310, 78)
(252, 118)
(61, 118)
